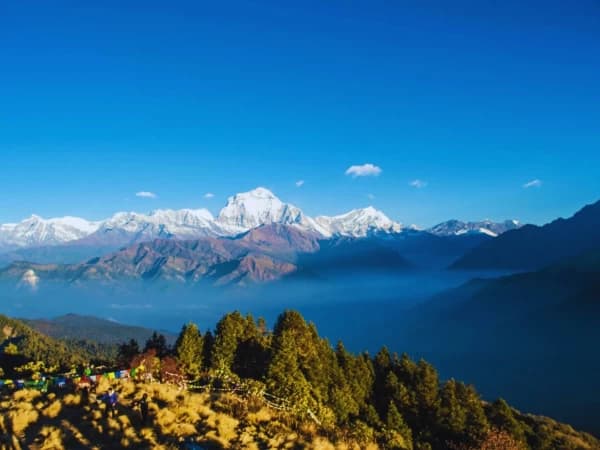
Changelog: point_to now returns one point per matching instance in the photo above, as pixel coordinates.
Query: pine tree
(252, 353)
(342, 400)
(157, 342)
(315, 356)
(284, 377)
(453, 417)
(402, 434)
(126, 352)
(476, 422)
(229, 331)
(358, 373)
(427, 393)
(406, 370)
(502, 417)
(188, 349)
(382, 364)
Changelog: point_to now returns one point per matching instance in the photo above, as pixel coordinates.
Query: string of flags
(86, 379)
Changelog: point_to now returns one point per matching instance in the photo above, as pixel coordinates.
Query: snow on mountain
(36, 231)
(457, 227)
(260, 206)
(243, 212)
(358, 223)
(161, 223)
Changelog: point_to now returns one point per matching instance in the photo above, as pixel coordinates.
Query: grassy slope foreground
(182, 419)
(29, 419)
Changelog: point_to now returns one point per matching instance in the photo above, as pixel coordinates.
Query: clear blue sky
(474, 99)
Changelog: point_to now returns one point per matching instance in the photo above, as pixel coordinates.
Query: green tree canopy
(188, 349)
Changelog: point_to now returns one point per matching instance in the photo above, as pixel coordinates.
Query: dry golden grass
(263, 415)
(53, 438)
(63, 420)
(21, 417)
(53, 409)
(321, 444)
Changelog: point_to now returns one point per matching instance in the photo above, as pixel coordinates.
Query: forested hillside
(386, 401)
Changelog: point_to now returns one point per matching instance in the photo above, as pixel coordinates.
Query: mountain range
(243, 212)
(265, 253)
(533, 247)
(535, 331)
(258, 238)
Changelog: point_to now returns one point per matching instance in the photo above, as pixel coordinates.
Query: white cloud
(145, 194)
(209, 195)
(365, 170)
(419, 184)
(299, 183)
(533, 183)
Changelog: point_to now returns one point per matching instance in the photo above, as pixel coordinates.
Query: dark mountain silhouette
(76, 327)
(549, 318)
(533, 247)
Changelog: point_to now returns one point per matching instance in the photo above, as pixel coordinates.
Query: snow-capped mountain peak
(257, 207)
(456, 227)
(37, 231)
(160, 223)
(359, 223)
(242, 212)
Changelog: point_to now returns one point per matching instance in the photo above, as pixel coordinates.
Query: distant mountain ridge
(262, 254)
(243, 212)
(265, 253)
(457, 227)
(549, 316)
(77, 327)
(35, 231)
(533, 247)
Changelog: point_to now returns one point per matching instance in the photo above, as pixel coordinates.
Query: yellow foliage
(125, 422)
(63, 420)
(321, 444)
(26, 395)
(72, 400)
(53, 438)
(53, 410)
(22, 417)
(262, 415)
(226, 427)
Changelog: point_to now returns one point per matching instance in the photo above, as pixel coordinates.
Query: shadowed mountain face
(533, 247)
(539, 330)
(262, 254)
(265, 253)
(63, 254)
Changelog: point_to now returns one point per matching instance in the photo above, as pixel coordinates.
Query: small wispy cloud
(418, 184)
(364, 170)
(130, 306)
(533, 184)
(371, 196)
(209, 195)
(299, 183)
(145, 194)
